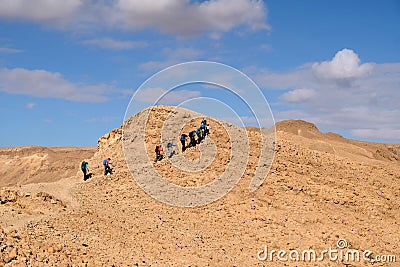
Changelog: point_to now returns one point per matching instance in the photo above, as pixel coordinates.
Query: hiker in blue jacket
(85, 170)
(171, 151)
(107, 168)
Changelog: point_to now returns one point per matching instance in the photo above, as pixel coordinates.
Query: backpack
(104, 162)
(183, 137)
(83, 165)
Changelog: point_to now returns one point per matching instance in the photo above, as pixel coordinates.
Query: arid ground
(321, 189)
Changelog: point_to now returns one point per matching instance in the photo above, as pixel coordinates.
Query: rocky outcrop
(109, 138)
(298, 127)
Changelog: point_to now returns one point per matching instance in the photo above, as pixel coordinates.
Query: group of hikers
(200, 133)
(87, 174)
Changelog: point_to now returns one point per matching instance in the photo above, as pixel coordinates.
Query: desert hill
(309, 135)
(25, 165)
(321, 188)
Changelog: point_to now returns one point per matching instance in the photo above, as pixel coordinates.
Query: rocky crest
(109, 138)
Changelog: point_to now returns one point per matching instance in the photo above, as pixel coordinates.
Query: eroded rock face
(109, 138)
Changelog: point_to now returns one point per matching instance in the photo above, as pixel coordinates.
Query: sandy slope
(26, 165)
(321, 187)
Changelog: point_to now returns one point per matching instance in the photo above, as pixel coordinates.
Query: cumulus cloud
(342, 94)
(40, 10)
(298, 95)
(42, 83)
(345, 65)
(160, 96)
(109, 43)
(180, 17)
(188, 17)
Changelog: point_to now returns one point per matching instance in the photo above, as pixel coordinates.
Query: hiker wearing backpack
(158, 151)
(171, 151)
(203, 130)
(85, 169)
(183, 142)
(199, 134)
(107, 168)
(192, 136)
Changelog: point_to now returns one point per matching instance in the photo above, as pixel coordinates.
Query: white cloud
(345, 65)
(153, 65)
(380, 134)
(30, 105)
(301, 77)
(180, 17)
(266, 47)
(188, 17)
(160, 96)
(173, 56)
(343, 94)
(215, 36)
(109, 43)
(8, 50)
(42, 83)
(39, 10)
(298, 95)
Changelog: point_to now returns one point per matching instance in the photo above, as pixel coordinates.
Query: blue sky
(68, 69)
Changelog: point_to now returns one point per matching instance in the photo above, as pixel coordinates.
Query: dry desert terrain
(321, 189)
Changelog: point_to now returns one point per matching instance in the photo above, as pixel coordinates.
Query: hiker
(203, 130)
(208, 129)
(204, 122)
(183, 142)
(107, 168)
(158, 151)
(192, 136)
(199, 135)
(85, 169)
(171, 151)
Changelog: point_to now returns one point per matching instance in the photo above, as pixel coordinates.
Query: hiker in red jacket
(158, 151)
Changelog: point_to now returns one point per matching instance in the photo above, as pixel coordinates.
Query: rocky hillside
(25, 165)
(321, 188)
